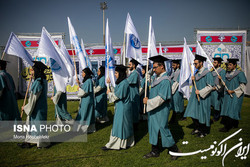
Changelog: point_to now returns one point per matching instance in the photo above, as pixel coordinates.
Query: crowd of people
(217, 89)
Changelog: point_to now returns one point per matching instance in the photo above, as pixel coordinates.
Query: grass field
(89, 153)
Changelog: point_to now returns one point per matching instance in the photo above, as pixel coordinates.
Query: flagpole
(123, 50)
(74, 64)
(2, 55)
(26, 94)
(198, 97)
(148, 53)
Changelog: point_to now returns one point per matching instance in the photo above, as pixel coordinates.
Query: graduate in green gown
(177, 103)
(218, 91)
(142, 92)
(158, 108)
(231, 110)
(200, 111)
(36, 108)
(122, 134)
(86, 113)
(101, 97)
(8, 103)
(60, 100)
(134, 83)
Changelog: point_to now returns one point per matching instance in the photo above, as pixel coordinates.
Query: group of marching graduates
(131, 104)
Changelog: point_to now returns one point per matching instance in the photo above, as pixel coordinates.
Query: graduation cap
(39, 65)
(158, 59)
(135, 62)
(144, 67)
(199, 57)
(177, 61)
(120, 68)
(219, 59)
(232, 60)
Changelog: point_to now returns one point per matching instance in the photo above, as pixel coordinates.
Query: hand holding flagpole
(198, 97)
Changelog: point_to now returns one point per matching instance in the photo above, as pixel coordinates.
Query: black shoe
(151, 154)
(24, 145)
(105, 148)
(201, 135)
(223, 130)
(195, 131)
(175, 157)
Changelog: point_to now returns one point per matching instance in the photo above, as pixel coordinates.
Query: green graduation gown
(86, 111)
(123, 118)
(142, 84)
(200, 110)
(177, 98)
(36, 110)
(232, 106)
(101, 99)
(158, 117)
(61, 106)
(217, 95)
(134, 83)
(8, 103)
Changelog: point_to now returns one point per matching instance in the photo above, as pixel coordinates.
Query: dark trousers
(199, 126)
(229, 123)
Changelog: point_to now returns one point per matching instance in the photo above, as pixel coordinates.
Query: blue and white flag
(133, 43)
(86, 56)
(75, 42)
(15, 47)
(48, 47)
(186, 72)
(109, 58)
(69, 64)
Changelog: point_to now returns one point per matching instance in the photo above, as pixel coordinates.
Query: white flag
(86, 56)
(207, 64)
(160, 49)
(74, 41)
(69, 64)
(133, 43)
(185, 73)
(15, 47)
(48, 47)
(109, 58)
(153, 50)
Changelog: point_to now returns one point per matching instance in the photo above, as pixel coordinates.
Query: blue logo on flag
(110, 61)
(54, 65)
(135, 42)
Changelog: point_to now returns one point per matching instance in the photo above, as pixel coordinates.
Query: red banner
(221, 39)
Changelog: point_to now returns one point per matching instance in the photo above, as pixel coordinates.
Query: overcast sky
(172, 19)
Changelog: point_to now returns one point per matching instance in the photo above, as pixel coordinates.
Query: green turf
(90, 154)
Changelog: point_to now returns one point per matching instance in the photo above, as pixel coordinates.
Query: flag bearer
(134, 83)
(101, 97)
(8, 103)
(200, 111)
(122, 134)
(36, 108)
(177, 97)
(218, 90)
(158, 107)
(231, 109)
